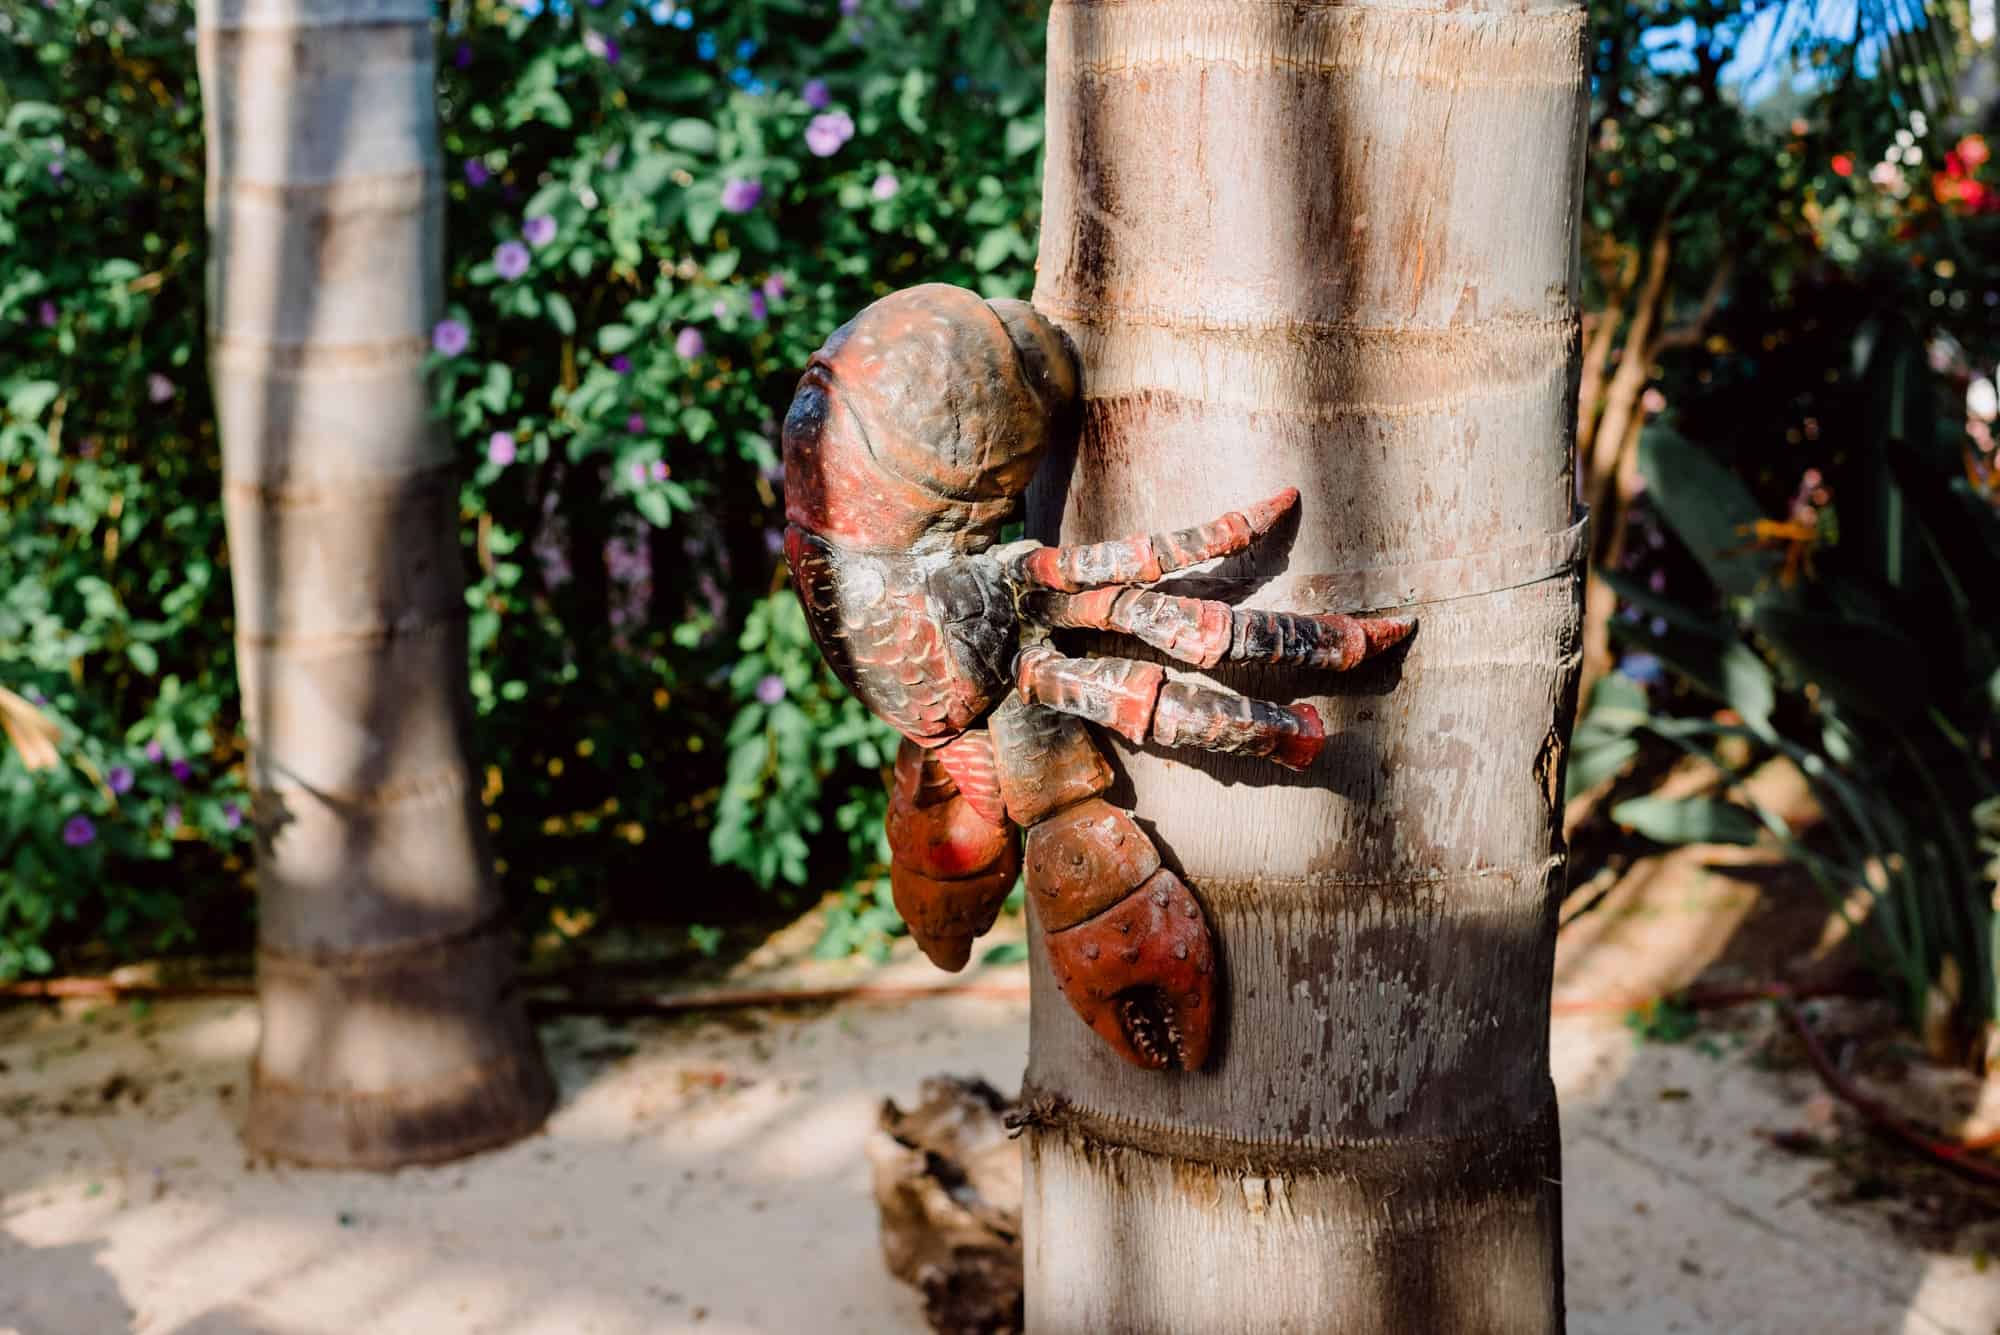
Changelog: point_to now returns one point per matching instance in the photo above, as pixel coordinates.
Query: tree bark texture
(1331, 246)
(391, 1029)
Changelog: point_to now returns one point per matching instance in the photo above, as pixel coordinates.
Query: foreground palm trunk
(391, 1031)
(1331, 245)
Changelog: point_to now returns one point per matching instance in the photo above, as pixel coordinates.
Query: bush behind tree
(655, 213)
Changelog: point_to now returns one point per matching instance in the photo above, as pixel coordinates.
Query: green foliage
(1877, 676)
(635, 323)
(113, 595)
(702, 195)
(1664, 1021)
(794, 729)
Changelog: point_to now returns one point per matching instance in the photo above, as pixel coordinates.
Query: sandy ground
(707, 1175)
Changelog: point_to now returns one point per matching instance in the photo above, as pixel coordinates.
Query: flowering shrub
(120, 794)
(655, 213)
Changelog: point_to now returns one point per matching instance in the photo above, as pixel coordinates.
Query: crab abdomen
(926, 650)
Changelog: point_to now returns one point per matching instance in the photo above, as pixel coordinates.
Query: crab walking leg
(1204, 632)
(1137, 701)
(1128, 945)
(1145, 557)
(950, 864)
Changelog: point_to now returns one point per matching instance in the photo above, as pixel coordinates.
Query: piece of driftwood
(948, 1184)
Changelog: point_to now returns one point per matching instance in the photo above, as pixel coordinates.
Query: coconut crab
(909, 443)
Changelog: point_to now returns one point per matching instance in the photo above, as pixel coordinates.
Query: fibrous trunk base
(407, 1057)
(1442, 1238)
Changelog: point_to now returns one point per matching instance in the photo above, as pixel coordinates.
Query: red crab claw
(1128, 944)
(950, 868)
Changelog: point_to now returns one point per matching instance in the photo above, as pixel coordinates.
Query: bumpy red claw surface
(950, 867)
(1143, 975)
(909, 443)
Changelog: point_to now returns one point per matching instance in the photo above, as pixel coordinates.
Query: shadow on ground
(706, 1174)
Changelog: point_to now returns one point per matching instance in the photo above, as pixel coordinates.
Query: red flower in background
(1843, 164)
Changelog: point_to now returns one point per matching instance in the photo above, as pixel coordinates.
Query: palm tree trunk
(391, 1029)
(1330, 245)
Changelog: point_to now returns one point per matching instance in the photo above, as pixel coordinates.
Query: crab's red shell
(918, 424)
(912, 436)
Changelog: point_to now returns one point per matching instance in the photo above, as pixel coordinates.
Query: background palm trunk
(391, 1030)
(1332, 245)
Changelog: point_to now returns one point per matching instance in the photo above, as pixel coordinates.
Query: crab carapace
(909, 443)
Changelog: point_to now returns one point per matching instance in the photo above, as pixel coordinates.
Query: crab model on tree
(913, 434)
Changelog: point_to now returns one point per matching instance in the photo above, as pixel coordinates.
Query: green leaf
(1726, 670)
(1691, 820)
(27, 399)
(615, 338)
(560, 314)
(1007, 952)
(498, 387)
(652, 503)
(696, 136)
(1708, 508)
(1591, 765)
(1863, 666)
(995, 249)
(910, 102)
(1023, 136)
(702, 211)
(1617, 706)
(143, 657)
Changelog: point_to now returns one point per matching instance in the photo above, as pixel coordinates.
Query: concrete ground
(707, 1175)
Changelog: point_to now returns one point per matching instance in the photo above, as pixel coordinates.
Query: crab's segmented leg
(1204, 632)
(1145, 557)
(951, 864)
(1127, 943)
(1137, 701)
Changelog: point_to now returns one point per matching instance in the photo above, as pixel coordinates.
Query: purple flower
(885, 186)
(158, 388)
(450, 337)
(659, 470)
(774, 287)
(638, 471)
(154, 752)
(689, 344)
(635, 424)
(850, 7)
(827, 132)
(599, 45)
(462, 57)
(56, 170)
(118, 779)
(510, 260)
(759, 309)
(170, 819)
(46, 313)
(540, 230)
(232, 815)
(476, 174)
(78, 831)
(621, 363)
(182, 771)
(817, 95)
(771, 688)
(719, 309)
(741, 196)
(500, 449)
